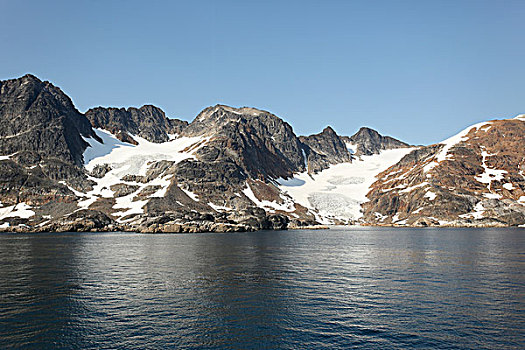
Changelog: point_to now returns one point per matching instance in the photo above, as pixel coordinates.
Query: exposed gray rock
(325, 149)
(81, 221)
(121, 190)
(148, 122)
(37, 118)
(260, 143)
(99, 171)
(369, 141)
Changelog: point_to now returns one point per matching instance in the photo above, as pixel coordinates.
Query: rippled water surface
(339, 288)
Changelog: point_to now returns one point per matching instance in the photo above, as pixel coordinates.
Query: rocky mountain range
(238, 169)
(148, 122)
(475, 178)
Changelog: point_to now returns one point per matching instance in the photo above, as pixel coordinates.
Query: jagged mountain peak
(259, 142)
(149, 122)
(365, 130)
(324, 149)
(328, 131)
(213, 118)
(30, 76)
(38, 117)
(367, 141)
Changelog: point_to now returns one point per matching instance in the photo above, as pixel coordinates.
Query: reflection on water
(341, 288)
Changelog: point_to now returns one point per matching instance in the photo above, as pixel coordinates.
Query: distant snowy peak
(520, 117)
(476, 177)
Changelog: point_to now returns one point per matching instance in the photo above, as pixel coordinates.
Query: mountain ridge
(230, 169)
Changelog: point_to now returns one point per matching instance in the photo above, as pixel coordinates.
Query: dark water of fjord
(366, 288)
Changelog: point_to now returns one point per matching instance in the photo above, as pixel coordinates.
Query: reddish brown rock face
(479, 180)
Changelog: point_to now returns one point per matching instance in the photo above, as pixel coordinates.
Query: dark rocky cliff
(325, 149)
(369, 142)
(148, 122)
(38, 121)
(260, 143)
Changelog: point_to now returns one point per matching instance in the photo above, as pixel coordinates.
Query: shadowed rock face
(478, 181)
(369, 142)
(260, 143)
(38, 121)
(325, 149)
(148, 122)
(41, 146)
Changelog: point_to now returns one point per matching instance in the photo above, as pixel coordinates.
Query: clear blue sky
(416, 70)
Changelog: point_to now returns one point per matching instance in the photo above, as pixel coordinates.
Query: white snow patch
(164, 182)
(124, 158)
(430, 166)
(400, 177)
(219, 208)
(190, 194)
(97, 149)
(340, 190)
(417, 211)
(411, 188)
(451, 142)
(380, 216)
(476, 214)
(520, 117)
(508, 186)
(126, 202)
(21, 210)
(305, 159)
(136, 159)
(4, 225)
(287, 206)
(401, 186)
(489, 175)
(521, 200)
(430, 195)
(492, 195)
(351, 147)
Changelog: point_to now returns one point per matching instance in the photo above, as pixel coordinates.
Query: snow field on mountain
(20, 210)
(339, 191)
(124, 159)
(449, 143)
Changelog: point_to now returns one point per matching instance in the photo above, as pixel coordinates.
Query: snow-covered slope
(473, 178)
(338, 192)
(133, 159)
(124, 159)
